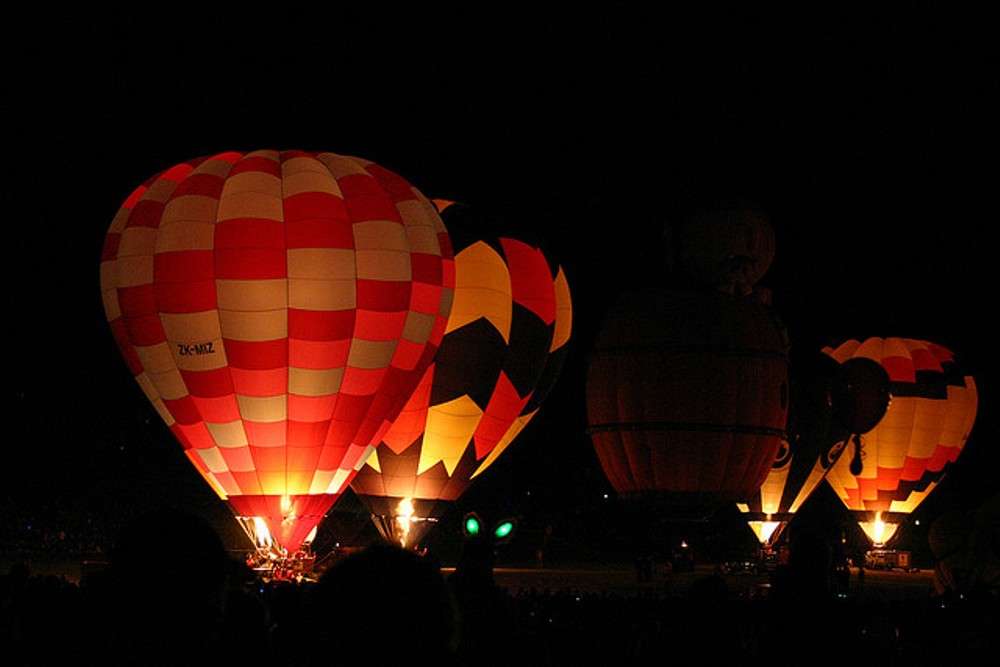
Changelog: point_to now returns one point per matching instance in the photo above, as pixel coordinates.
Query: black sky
(869, 139)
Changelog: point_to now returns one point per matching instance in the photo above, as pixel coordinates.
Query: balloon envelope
(277, 308)
(505, 341)
(928, 421)
(687, 397)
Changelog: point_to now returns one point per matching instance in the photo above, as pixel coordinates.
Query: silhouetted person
(381, 606)
(166, 593)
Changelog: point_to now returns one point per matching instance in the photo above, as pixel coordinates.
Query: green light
(503, 530)
(472, 526)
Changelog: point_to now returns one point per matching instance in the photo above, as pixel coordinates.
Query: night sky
(867, 139)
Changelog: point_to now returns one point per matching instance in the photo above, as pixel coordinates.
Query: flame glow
(878, 531)
(404, 517)
(261, 532)
(764, 529)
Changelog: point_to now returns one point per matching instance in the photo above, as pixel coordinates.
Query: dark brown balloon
(687, 398)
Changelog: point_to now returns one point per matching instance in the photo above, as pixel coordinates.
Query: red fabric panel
(425, 298)
(250, 264)
(318, 355)
(146, 213)
(316, 206)
(319, 233)
(268, 459)
(320, 324)
(266, 434)
(145, 331)
(134, 198)
(530, 279)
(221, 410)
(900, 369)
(109, 250)
(426, 268)
(183, 409)
(331, 456)
(195, 435)
(301, 434)
(249, 233)
(888, 478)
(137, 301)
(924, 360)
(361, 381)
(268, 382)
(186, 297)
(397, 188)
(407, 354)
(209, 384)
(263, 164)
(383, 295)
(178, 172)
(379, 326)
(257, 355)
(501, 411)
(205, 185)
(187, 266)
(310, 408)
(303, 458)
(913, 469)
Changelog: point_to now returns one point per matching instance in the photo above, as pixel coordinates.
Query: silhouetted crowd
(190, 604)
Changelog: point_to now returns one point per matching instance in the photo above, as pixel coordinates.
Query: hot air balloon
(277, 309)
(927, 424)
(687, 387)
(830, 403)
(504, 345)
(687, 396)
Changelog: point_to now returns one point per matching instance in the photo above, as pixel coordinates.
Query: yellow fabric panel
(191, 327)
(169, 385)
(213, 460)
(772, 488)
(340, 165)
(843, 352)
(188, 210)
(390, 265)
(252, 295)
(367, 454)
(161, 409)
(448, 432)
(505, 441)
(321, 481)
(272, 483)
(873, 349)
(109, 297)
(306, 174)
(109, 278)
(962, 407)
(220, 168)
(321, 263)
(373, 463)
(254, 326)
(912, 501)
(249, 205)
(928, 421)
(156, 358)
(418, 326)
(159, 191)
(743, 507)
(264, 409)
(186, 236)
(564, 312)
(371, 354)
(482, 289)
(888, 443)
(321, 294)
(338, 481)
(418, 218)
(137, 242)
(119, 221)
(205, 474)
(228, 435)
(252, 182)
(380, 235)
(134, 271)
(309, 382)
